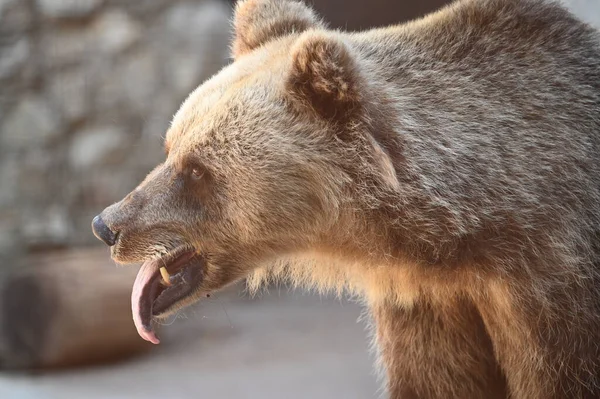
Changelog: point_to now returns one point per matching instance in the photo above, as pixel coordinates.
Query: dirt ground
(281, 344)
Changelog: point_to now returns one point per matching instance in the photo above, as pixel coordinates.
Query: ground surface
(281, 345)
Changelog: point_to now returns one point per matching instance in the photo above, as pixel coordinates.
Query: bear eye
(197, 173)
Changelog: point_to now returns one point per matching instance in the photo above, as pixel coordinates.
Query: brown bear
(447, 170)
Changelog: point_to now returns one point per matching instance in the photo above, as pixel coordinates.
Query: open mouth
(160, 284)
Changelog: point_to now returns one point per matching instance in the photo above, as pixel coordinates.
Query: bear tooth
(165, 276)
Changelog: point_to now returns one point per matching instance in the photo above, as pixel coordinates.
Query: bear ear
(257, 22)
(324, 76)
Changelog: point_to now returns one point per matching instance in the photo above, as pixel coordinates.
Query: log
(66, 310)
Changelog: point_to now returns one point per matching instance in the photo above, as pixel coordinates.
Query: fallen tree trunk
(66, 310)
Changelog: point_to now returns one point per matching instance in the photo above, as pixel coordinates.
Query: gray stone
(9, 172)
(103, 186)
(109, 94)
(70, 90)
(97, 146)
(185, 72)
(9, 239)
(198, 22)
(157, 122)
(66, 44)
(110, 33)
(5, 5)
(13, 57)
(150, 149)
(112, 73)
(38, 174)
(143, 8)
(67, 8)
(32, 123)
(139, 77)
(15, 16)
(115, 31)
(49, 226)
(199, 34)
(131, 85)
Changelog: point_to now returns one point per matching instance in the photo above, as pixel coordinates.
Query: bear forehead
(246, 85)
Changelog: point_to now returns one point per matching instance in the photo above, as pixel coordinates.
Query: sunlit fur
(445, 170)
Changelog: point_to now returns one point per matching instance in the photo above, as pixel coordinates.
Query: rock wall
(87, 89)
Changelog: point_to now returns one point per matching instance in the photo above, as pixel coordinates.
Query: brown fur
(446, 170)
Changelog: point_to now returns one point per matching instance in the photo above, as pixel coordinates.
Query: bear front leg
(437, 351)
(546, 337)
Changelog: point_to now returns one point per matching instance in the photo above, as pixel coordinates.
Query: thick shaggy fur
(447, 170)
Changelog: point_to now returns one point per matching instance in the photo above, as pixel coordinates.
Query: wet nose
(102, 232)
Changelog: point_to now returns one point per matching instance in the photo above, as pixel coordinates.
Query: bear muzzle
(103, 232)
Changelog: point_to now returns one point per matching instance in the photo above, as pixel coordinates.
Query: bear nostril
(102, 232)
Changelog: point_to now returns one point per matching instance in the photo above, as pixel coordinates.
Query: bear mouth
(161, 284)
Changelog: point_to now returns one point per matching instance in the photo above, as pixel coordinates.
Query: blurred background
(87, 89)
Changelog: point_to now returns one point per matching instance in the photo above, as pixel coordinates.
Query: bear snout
(103, 232)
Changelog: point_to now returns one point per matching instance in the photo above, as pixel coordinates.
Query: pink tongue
(142, 296)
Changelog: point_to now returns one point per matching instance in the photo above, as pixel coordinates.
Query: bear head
(271, 157)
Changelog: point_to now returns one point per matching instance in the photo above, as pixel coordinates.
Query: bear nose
(102, 232)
